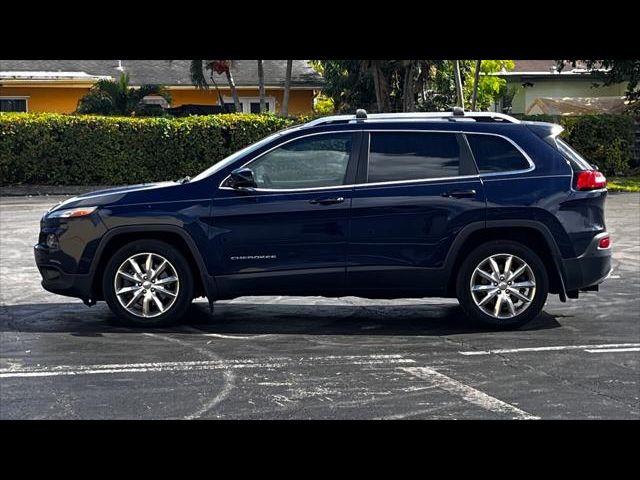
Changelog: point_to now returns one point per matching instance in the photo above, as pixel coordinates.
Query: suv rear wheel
(502, 284)
(148, 283)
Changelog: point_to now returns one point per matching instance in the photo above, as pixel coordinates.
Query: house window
(231, 107)
(13, 104)
(155, 100)
(252, 104)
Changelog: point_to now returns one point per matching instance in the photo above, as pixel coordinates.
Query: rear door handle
(460, 193)
(327, 201)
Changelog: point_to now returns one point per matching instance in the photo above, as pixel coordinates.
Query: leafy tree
(323, 105)
(614, 71)
(110, 97)
(408, 85)
(197, 69)
(348, 84)
(489, 87)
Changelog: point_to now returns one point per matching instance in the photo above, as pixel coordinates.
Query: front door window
(310, 162)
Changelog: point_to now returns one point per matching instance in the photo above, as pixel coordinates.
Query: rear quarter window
(495, 154)
(577, 162)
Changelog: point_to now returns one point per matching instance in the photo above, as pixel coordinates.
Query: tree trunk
(220, 99)
(476, 79)
(263, 103)
(287, 86)
(234, 92)
(380, 85)
(409, 88)
(456, 72)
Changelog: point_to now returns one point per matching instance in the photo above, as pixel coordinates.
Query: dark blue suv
(478, 206)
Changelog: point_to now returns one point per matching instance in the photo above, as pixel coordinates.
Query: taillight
(604, 243)
(590, 180)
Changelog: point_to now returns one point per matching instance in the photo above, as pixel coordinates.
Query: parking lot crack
(509, 362)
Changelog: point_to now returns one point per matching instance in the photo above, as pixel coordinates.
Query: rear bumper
(55, 280)
(589, 269)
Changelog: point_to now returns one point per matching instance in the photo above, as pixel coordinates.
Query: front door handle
(460, 193)
(327, 201)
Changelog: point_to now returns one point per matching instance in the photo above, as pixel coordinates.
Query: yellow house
(57, 85)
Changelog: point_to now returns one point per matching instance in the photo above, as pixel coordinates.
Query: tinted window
(318, 161)
(411, 156)
(231, 107)
(13, 105)
(495, 154)
(255, 107)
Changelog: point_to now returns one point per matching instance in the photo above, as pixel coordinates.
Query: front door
(418, 190)
(289, 234)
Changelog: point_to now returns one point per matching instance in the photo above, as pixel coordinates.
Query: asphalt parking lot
(317, 358)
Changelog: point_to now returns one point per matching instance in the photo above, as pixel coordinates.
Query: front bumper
(55, 280)
(589, 269)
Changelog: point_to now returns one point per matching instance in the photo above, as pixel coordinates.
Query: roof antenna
(361, 114)
(458, 111)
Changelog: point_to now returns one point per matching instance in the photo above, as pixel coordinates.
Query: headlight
(52, 241)
(72, 212)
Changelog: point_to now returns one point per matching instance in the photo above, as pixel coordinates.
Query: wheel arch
(175, 236)
(530, 233)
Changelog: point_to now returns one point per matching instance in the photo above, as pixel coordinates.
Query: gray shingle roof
(524, 66)
(175, 72)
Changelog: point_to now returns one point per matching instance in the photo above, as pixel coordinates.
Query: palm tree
(287, 86)
(197, 68)
(263, 103)
(476, 80)
(458, 80)
(110, 97)
(380, 83)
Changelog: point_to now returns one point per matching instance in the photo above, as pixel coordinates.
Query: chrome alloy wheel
(146, 285)
(503, 285)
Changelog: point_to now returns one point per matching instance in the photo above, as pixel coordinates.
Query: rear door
(416, 190)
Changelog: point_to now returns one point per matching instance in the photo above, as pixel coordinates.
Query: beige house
(541, 88)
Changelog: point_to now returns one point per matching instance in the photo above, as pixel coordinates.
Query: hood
(125, 194)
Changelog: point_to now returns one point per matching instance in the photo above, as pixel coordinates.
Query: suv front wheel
(148, 283)
(502, 284)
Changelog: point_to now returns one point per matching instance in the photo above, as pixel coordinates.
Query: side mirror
(242, 179)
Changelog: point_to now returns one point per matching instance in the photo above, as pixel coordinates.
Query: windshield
(216, 167)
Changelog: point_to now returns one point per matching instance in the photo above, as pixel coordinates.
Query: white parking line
(28, 205)
(549, 349)
(68, 370)
(468, 393)
(271, 362)
(614, 350)
(204, 333)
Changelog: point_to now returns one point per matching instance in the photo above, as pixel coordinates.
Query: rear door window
(496, 154)
(397, 156)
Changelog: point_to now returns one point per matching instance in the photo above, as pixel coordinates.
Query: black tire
(478, 255)
(176, 310)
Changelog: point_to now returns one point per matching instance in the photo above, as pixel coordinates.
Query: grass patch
(624, 184)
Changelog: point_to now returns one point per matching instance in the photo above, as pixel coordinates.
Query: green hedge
(53, 149)
(604, 140)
